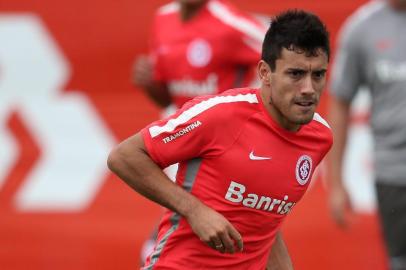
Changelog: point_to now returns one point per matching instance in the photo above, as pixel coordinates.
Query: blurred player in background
(372, 53)
(246, 158)
(198, 47)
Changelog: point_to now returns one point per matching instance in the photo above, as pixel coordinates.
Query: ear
(264, 72)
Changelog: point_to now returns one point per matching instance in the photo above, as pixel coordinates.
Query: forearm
(279, 258)
(339, 118)
(132, 164)
(158, 93)
(143, 77)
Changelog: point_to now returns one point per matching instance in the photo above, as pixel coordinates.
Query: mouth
(305, 104)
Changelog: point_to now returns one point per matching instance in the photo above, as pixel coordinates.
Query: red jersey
(214, 51)
(237, 160)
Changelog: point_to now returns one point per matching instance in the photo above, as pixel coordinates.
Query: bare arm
(279, 258)
(338, 199)
(131, 162)
(143, 77)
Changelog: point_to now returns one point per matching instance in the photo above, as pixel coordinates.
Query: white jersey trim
(169, 8)
(224, 14)
(320, 119)
(197, 109)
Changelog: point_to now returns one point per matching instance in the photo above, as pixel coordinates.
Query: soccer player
(372, 53)
(190, 51)
(246, 157)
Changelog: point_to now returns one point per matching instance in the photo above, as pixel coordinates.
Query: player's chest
(270, 165)
(193, 49)
(386, 58)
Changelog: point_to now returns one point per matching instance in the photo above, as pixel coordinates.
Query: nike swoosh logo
(254, 157)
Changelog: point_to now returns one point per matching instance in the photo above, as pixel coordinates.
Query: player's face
(294, 87)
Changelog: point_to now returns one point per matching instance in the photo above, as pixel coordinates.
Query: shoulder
(321, 129)
(320, 120)
(165, 18)
(361, 18)
(233, 103)
(170, 8)
(224, 104)
(167, 12)
(223, 112)
(236, 20)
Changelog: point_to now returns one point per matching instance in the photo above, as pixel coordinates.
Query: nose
(307, 86)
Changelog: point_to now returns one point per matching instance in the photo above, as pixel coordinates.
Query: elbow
(114, 159)
(124, 159)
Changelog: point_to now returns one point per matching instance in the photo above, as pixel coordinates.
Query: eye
(296, 73)
(319, 74)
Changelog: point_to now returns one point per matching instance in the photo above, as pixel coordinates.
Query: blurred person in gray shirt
(372, 53)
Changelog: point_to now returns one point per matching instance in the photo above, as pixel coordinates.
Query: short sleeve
(177, 138)
(201, 128)
(347, 74)
(189, 133)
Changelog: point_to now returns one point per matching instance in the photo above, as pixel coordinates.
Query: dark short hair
(296, 30)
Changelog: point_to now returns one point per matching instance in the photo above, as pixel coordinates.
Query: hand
(215, 230)
(143, 71)
(340, 205)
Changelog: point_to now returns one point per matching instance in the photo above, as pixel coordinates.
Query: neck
(189, 11)
(275, 113)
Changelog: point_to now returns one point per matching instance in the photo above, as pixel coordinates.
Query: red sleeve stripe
(197, 109)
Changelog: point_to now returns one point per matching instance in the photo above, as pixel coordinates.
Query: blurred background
(66, 99)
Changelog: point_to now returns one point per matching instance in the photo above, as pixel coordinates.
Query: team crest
(199, 53)
(303, 169)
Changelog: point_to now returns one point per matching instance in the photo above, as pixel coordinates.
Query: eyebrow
(324, 70)
(303, 69)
